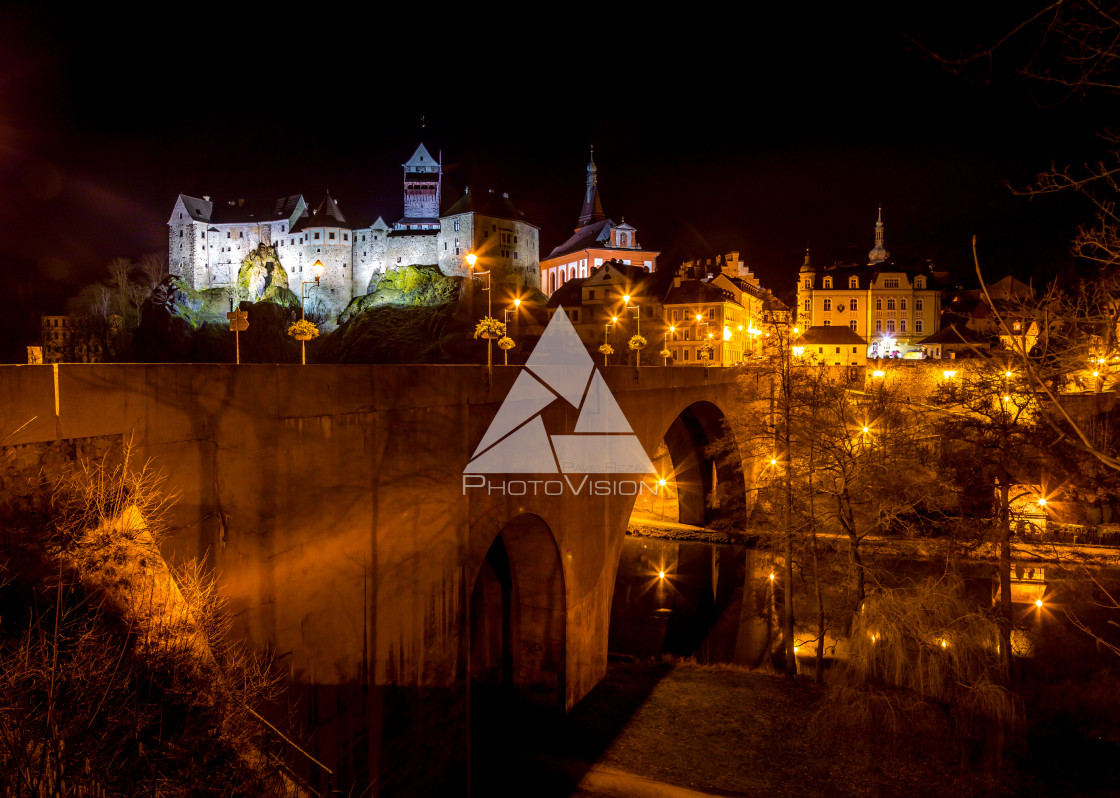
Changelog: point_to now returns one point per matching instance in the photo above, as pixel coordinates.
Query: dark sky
(757, 131)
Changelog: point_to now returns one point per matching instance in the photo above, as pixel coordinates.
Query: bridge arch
(705, 484)
(518, 616)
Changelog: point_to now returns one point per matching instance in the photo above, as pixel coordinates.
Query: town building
(830, 346)
(612, 304)
(208, 240)
(892, 306)
(70, 339)
(596, 240)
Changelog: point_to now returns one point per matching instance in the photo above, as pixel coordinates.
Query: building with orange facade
(596, 240)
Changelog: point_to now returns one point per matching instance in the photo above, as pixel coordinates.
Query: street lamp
(606, 335)
(472, 259)
(505, 320)
(665, 347)
(317, 269)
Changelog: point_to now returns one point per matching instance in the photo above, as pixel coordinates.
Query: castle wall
(370, 253)
(455, 245)
(412, 249)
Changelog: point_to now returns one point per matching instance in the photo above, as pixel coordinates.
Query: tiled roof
(594, 235)
(831, 335)
(491, 203)
(691, 292)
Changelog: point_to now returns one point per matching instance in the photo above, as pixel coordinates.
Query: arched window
(853, 282)
(827, 284)
(919, 282)
(890, 303)
(808, 282)
(878, 303)
(828, 304)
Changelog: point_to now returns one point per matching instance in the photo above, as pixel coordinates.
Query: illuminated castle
(208, 240)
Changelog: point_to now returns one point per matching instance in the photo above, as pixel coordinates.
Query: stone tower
(422, 178)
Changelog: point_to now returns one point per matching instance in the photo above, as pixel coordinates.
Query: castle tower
(878, 253)
(592, 210)
(422, 183)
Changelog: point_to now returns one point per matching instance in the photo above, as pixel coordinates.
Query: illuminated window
(456, 225)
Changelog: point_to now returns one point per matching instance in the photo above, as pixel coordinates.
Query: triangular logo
(560, 368)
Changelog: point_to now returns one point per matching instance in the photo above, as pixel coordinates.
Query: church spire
(879, 252)
(592, 210)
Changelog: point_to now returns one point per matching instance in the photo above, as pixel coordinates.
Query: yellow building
(892, 307)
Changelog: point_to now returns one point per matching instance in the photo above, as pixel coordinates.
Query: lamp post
(471, 260)
(665, 347)
(638, 331)
(505, 320)
(317, 269)
(606, 335)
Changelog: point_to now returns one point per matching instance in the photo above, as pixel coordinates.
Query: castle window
(445, 246)
(398, 260)
(854, 305)
(293, 242)
(515, 256)
(808, 283)
(180, 216)
(317, 250)
(330, 236)
(180, 234)
(316, 236)
(227, 234)
(515, 239)
(456, 225)
(345, 236)
(375, 238)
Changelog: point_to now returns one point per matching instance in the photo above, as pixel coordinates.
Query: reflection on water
(716, 602)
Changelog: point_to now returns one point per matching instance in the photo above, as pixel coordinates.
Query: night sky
(749, 132)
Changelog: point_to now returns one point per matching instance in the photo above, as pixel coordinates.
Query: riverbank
(663, 729)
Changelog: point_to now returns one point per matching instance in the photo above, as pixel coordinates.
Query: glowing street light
(660, 574)
(1038, 603)
(878, 374)
(317, 269)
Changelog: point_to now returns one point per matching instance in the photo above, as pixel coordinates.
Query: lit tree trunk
(816, 578)
(1004, 618)
(787, 620)
(847, 520)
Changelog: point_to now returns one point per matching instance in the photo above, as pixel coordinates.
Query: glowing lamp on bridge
(878, 374)
(472, 259)
(661, 482)
(517, 303)
(865, 429)
(660, 574)
(318, 269)
(1042, 502)
(948, 374)
(626, 298)
(699, 317)
(1038, 603)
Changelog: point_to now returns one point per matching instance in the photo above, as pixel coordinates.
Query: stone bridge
(330, 502)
